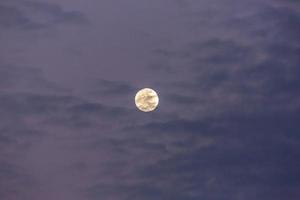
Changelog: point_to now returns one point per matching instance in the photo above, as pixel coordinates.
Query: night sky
(228, 77)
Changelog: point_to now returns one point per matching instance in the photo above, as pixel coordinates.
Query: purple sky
(227, 73)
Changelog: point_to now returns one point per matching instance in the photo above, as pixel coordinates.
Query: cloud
(227, 127)
(181, 99)
(25, 78)
(34, 110)
(62, 110)
(12, 17)
(241, 157)
(244, 88)
(25, 92)
(108, 87)
(32, 15)
(17, 183)
(256, 70)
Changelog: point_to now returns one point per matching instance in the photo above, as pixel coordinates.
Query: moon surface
(146, 100)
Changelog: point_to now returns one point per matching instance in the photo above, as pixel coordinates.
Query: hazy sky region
(227, 73)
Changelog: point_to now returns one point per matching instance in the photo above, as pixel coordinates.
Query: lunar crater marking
(146, 100)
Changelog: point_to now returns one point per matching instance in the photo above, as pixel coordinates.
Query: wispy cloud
(226, 127)
(32, 15)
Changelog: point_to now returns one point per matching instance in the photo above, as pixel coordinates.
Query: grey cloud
(232, 132)
(30, 104)
(242, 74)
(86, 114)
(31, 15)
(262, 116)
(58, 14)
(179, 125)
(56, 109)
(25, 92)
(274, 24)
(14, 181)
(25, 78)
(12, 17)
(30, 107)
(181, 99)
(241, 159)
(107, 87)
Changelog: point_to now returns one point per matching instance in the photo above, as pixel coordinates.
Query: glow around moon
(146, 100)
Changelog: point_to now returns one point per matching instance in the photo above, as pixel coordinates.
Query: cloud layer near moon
(227, 73)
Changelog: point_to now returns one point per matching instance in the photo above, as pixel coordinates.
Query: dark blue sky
(227, 73)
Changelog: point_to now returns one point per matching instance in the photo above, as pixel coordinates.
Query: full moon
(146, 100)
